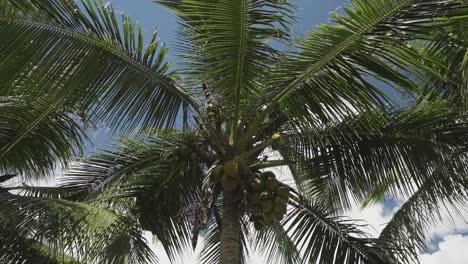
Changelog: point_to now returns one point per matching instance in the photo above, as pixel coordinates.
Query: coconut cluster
(230, 173)
(267, 199)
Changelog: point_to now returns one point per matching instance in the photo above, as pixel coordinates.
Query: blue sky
(448, 236)
(152, 15)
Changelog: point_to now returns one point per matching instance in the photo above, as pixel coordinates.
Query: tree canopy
(369, 106)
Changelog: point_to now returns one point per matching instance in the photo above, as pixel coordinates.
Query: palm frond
(93, 175)
(442, 194)
(210, 246)
(88, 58)
(16, 249)
(32, 142)
(151, 172)
(324, 238)
(330, 77)
(400, 154)
(276, 245)
(447, 58)
(87, 233)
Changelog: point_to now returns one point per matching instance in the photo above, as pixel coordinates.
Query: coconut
(268, 174)
(187, 150)
(267, 205)
(210, 107)
(256, 210)
(271, 184)
(253, 198)
(269, 218)
(265, 195)
(276, 137)
(235, 168)
(278, 215)
(280, 204)
(257, 184)
(253, 176)
(283, 192)
(230, 169)
(229, 184)
(241, 165)
(275, 141)
(183, 151)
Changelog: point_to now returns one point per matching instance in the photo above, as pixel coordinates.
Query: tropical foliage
(370, 106)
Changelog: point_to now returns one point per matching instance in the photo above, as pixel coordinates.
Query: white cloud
(450, 224)
(376, 216)
(446, 240)
(452, 250)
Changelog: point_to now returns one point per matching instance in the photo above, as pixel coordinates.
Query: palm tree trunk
(230, 232)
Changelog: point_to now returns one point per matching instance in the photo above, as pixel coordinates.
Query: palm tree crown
(200, 145)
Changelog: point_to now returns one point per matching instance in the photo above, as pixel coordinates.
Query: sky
(153, 16)
(449, 238)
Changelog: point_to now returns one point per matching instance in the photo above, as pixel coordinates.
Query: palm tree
(200, 145)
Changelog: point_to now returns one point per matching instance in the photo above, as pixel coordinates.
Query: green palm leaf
(447, 57)
(325, 238)
(127, 81)
(275, 243)
(329, 77)
(409, 227)
(150, 172)
(56, 136)
(18, 249)
(86, 232)
(350, 157)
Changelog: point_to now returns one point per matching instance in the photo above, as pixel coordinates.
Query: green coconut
(269, 218)
(254, 176)
(241, 165)
(267, 206)
(280, 204)
(256, 210)
(278, 215)
(210, 107)
(235, 168)
(187, 150)
(265, 195)
(257, 184)
(283, 192)
(276, 137)
(183, 151)
(268, 174)
(253, 198)
(271, 184)
(230, 169)
(229, 184)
